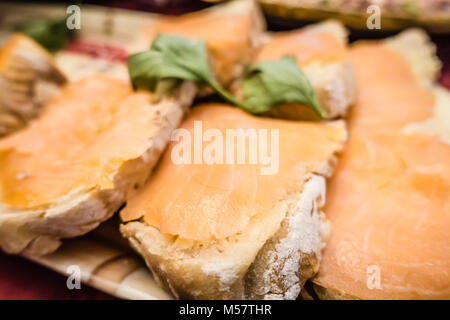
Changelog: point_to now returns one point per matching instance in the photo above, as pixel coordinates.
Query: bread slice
(28, 79)
(271, 258)
(38, 229)
(320, 51)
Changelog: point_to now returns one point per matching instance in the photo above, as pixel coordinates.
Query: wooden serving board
(106, 263)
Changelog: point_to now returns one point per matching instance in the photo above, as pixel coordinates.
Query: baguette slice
(71, 169)
(28, 79)
(223, 231)
(389, 200)
(320, 51)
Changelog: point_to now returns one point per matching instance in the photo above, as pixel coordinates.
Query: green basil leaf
(173, 57)
(169, 57)
(272, 83)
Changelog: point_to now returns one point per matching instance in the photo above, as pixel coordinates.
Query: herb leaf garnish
(173, 57)
(169, 57)
(273, 83)
(268, 84)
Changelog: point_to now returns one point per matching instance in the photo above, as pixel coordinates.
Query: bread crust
(38, 231)
(418, 49)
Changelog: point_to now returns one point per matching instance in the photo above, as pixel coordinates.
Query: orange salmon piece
(84, 135)
(389, 200)
(206, 201)
(305, 46)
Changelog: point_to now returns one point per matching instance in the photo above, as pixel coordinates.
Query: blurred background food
(395, 15)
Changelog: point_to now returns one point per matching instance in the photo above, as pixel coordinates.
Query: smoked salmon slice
(214, 201)
(389, 201)
(68, 147)
(82, 138)
(322, 43)
(231, 33)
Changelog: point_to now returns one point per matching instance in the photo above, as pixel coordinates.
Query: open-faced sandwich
(229, 231)
(388, 202)
(71, 169)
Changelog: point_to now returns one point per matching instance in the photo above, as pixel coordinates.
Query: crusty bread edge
(38, 231)
(333, 83)
(418, 49)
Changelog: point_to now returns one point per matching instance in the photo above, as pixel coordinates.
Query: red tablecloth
(22, 279)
